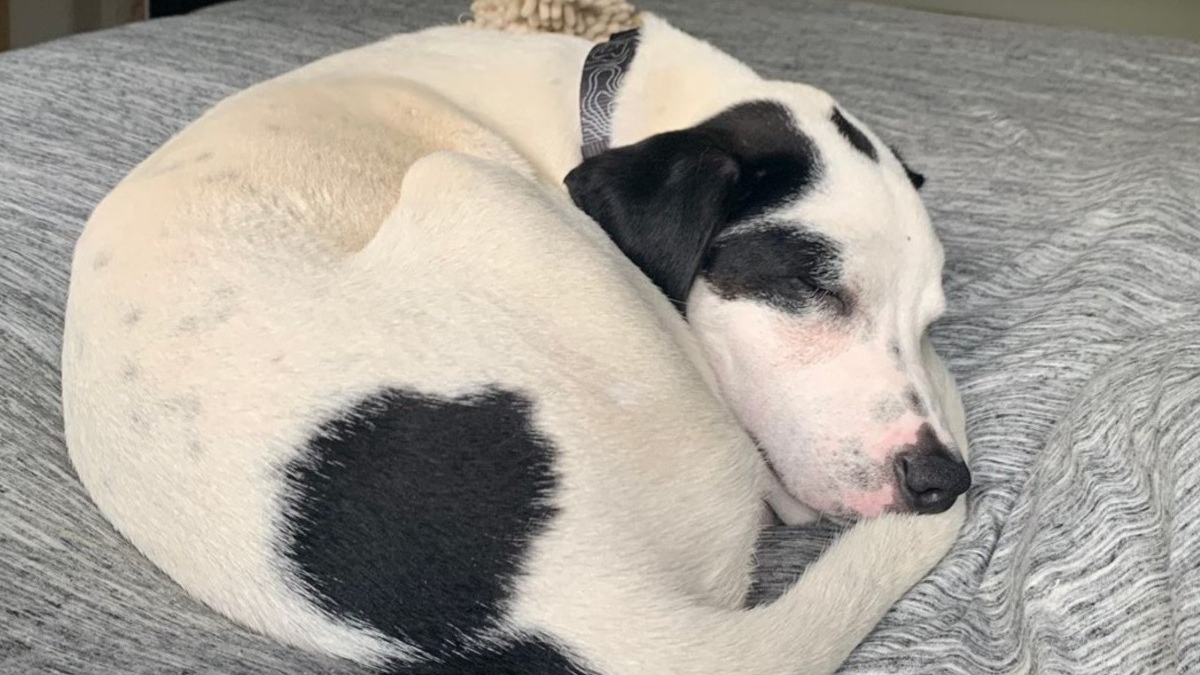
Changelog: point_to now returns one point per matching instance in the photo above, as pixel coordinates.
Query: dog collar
(603, 70)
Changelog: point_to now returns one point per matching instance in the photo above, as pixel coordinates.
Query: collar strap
(603, 70)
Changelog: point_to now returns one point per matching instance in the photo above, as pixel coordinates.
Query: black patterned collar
(603, 70)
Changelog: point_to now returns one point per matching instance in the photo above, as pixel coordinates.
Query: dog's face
(805, 261)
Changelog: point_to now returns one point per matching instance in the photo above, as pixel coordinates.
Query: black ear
(661, 200)
(917, 179)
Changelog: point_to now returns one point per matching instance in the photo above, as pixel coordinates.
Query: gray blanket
(1064, 179)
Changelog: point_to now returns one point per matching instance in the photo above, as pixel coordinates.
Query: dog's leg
(845, 593)
(624, 628)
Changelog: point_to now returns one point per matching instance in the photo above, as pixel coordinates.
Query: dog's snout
(929, 476)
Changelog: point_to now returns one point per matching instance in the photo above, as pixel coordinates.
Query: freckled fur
(887, 409)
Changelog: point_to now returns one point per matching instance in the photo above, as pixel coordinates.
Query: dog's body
(452, 424)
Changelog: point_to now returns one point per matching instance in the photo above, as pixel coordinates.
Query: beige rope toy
(592, 19)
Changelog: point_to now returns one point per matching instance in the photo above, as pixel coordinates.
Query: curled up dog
(373, 358)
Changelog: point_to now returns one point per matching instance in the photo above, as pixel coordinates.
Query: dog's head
(797, 245)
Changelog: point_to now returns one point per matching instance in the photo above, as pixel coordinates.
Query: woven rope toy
(592, 19)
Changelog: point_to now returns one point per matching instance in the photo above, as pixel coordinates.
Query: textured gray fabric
(1063, 178)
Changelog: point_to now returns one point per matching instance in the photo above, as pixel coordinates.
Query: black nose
(931, 481)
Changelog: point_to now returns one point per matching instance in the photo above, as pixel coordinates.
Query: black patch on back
(529, 656)
(664, 199)
(413, 514)
(855, 135)
(788, 268)
(915, 178)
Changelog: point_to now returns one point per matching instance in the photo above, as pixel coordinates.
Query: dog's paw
(900, 549)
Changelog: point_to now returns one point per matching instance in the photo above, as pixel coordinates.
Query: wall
(3, 25)
(1175, 18)
(34, 21)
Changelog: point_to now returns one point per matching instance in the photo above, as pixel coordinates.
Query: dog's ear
(661, 200)
(917, 179)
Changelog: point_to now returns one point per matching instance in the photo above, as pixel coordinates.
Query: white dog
(345, 361)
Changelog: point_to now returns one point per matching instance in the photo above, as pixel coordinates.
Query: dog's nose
(929, 476)
(930, 482)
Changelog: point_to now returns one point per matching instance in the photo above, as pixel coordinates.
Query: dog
(374, 358)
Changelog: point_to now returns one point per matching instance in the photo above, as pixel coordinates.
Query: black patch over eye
(855, 135)
(663, 200)
(788, 268)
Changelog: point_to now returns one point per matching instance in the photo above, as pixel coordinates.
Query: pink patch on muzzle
(870, 504)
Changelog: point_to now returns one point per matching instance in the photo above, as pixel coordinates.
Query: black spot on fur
(222, 177)
(914, 401)
(530, 656)
(663, 200)
(224, 313)
(101, 260)
(855, 470)
(132, 317)
(915, 178)
(187, 406)
(788, 268)
(894, 348)
(222, 305)
(855, 135)
(413, 514)
(887, 409)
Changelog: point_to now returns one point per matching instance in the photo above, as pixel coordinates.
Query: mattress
(1064, 181)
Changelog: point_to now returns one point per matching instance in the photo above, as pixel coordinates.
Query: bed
(1064, 179)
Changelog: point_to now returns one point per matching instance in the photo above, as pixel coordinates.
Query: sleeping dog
(346, 361)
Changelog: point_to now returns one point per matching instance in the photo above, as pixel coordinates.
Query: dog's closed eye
(818, 293)
(783, 265)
